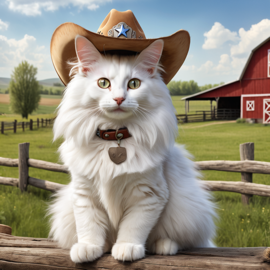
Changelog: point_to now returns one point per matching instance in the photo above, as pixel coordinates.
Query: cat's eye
(134, 83)
(104, 83)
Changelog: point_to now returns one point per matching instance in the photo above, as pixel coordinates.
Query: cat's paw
(164, 247)
(82, 252)
(128, 251)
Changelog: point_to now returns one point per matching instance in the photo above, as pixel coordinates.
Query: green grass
(25, 213)
(177, 102)
(7, 115)
(194, 105)
(237, 226)
(4, 87)
(51, 96)
(221, 142)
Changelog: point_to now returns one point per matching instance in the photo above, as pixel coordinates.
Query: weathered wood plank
(47, 185)
(238, 187)
(45, 165)
(23, 166)
(15, 257)
(235, 166)
(218, 165)
(195, 260)
(246, 153)
(9, 162)
(8, 181)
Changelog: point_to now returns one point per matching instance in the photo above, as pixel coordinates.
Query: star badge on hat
(122, 30)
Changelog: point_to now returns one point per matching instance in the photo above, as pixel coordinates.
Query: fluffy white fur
(154, 200)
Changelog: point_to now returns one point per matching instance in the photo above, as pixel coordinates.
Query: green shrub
(241, 120)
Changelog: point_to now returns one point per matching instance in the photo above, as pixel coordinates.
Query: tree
(178, 88)
(24, 89)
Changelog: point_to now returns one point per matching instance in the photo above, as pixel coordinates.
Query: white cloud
(93, 7)
(251, 38)
(191, 68)
(3, 25)
(217, 36)
(35, 7)
(232, 62)
(224, 63)
(13, 51)
(207, 66)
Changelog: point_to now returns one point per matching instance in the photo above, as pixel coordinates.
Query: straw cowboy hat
(118, 31)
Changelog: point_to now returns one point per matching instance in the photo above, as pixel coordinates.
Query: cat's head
(112, 90)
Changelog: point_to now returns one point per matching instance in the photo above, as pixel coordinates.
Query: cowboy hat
(119, 31)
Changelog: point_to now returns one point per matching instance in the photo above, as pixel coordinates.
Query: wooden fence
(216, 114)
(15, 125)
(247, 166)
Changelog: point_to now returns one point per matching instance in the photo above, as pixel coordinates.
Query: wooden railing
(247, 166)
(201, 116)
(15, 125)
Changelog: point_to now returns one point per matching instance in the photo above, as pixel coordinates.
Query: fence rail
(246, 167)
(216, 114)
(6, 126)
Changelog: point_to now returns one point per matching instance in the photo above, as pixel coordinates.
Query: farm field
(47, 100)
(237, 226)
(4, 87)
(49, 103)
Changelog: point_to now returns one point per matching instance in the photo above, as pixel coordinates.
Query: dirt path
(216, 123)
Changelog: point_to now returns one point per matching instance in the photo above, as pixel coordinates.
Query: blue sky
(223, 33)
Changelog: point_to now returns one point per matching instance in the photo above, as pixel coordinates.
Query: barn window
(268, 66)
(250, 105)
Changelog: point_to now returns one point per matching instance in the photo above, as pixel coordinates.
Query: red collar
(110, 134)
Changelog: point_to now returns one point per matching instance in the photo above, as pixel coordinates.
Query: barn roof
(241, 76)
(250, 56)
(208, 90)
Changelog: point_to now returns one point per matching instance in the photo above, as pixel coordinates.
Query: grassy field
(52, 101)
(237, 225)
(196, 105)
(4, 87)
(42, 112)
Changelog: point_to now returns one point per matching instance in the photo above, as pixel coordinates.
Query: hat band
(121, 29)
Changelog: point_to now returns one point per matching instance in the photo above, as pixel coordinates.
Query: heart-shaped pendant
(118, 154)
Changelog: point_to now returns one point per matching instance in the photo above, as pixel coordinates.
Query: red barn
(250, 95)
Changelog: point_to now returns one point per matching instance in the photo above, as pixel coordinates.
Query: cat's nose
(119, 100)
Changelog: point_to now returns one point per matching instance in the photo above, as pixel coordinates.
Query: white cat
(153, 201)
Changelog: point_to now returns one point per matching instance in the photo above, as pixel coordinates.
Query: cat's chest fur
(116, 189)
(93, 161)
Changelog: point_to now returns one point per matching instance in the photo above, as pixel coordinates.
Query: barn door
(266, 111)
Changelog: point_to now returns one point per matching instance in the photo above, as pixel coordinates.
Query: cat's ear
(86, 52)
(149, 58)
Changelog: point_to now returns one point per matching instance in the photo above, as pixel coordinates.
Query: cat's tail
(62, 221)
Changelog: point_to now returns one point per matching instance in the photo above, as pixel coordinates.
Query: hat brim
(174, 53)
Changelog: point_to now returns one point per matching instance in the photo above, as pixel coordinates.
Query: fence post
(204, 116)
(2, 127)
(186, 118)
(23, 166)
(23, 126)
(246, 153)
(46, 121)
(15, 126)
(37, 122)
(31, 124)
(41, 122)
